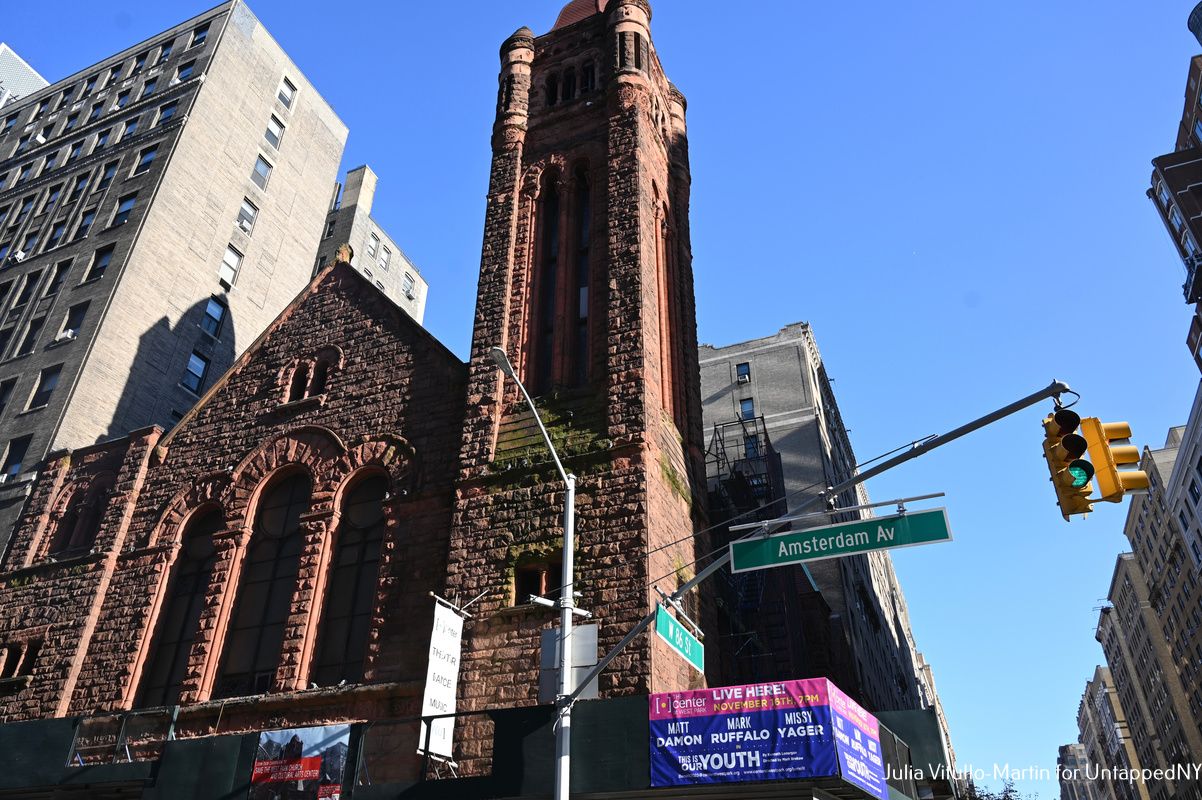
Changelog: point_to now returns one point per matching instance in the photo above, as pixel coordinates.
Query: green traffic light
(1081, 473)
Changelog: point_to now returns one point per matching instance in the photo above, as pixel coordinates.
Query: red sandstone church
(272, 556)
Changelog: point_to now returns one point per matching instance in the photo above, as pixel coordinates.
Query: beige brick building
(376, 254)
(157, 210)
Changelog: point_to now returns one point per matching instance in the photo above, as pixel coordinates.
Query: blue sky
(951, 193)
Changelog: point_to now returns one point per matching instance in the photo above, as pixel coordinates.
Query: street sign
(832, 541)
(679, 638)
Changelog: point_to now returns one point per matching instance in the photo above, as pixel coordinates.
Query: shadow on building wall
(155, 391)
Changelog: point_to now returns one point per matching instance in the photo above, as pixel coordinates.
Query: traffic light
(1071, 474)
(1109, 448)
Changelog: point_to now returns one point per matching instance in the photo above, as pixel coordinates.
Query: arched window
(180, 615)
(80, 523)
(552, 90)
(588, 77)
(317, 384)
(583, 214)
(351, 591)
(569, 85)
(299, 382)
(543, 355)
(269, 572)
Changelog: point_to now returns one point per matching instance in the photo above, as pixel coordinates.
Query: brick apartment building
(268, 563)
(157, 211)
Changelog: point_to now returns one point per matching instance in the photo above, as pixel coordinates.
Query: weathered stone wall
(392, 405)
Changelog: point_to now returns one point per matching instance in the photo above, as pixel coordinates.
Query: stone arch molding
(391, 453)
(73, 492)
(318, 449)
(212, 488)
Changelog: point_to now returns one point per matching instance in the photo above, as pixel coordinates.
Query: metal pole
(1055, 389)
(567, 598)
(565, 698)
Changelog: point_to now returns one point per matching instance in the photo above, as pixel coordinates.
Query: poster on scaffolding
(300, 763)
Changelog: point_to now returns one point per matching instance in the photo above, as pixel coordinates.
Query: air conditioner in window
(410, 294)
(66, 335)
(40, 139)
(18, 256)
(174, 81)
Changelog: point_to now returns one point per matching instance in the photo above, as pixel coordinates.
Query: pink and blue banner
(789, 730)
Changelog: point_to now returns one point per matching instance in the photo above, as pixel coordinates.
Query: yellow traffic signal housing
(1109, 448)
(1071, 474)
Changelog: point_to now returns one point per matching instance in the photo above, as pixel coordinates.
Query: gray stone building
(857, 628)
(17, 78)
(157, 210)
(376, 254)
(1102, 731)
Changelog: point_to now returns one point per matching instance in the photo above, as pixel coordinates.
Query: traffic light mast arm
(1054, 389)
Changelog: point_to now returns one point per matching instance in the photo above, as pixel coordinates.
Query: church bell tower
(586, 282)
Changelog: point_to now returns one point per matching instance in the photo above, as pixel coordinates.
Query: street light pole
(567, 598)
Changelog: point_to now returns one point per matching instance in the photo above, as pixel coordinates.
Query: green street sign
(679, 638)
(832, 541)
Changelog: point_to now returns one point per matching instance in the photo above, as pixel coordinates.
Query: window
(747, 408)
(261, 173)
(194, 373)
(179, 619)
(51, 198)
(385, 258)
(3, 179)
(89, 85)
(112, 76)
(165, 52)
(23, 174)
(146, 159)
(199, 35)
(97, 110)
(72, 121)
(75, 152)
(1194, 493)
(139, 62)
(28, 288)
(231, 262)
(185, 71)
(22, 145)
(8, 124)
(125, 207)
(122, 99)
(751, 446)
(56, 234)
(47, 381)
(79, 525)
(106, 177)
(85, 224)
(255, 637)
(743, 372)
(65, 99)
(552, 90)
(4, 248)
(373, 245)
(31, 337)
(569, 84)
(547, 291)
(350, 594)
(247, 214)
(588, 77)
(214, 316)
(102, 139)
(408, 285)
(73, 322)
(6, 392)
(23, 211)
(42, 106)
(18, 658)
(57, 279)
(538, 577)
(30, 244)
(274, 132)
(100, 262)
(148, 87)
(1175, 219)
(48, 163)
(167, 112)
(287, 93)
(131, 127)
(330, 226)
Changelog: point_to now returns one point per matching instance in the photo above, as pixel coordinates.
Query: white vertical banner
(442, 680)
